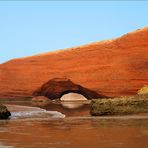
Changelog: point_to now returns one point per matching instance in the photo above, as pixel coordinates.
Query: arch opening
(72, 96)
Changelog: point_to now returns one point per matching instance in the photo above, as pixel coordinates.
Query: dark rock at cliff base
(40, 99)
(4, 112)
(57, 87)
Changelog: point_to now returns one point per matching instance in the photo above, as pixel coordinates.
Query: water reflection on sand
(77, 130)
(75, 133)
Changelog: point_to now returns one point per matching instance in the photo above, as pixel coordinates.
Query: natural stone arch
(57, 87)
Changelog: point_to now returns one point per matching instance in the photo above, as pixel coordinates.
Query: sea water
(69, 125)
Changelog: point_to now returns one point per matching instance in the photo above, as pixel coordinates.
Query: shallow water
(69, 125)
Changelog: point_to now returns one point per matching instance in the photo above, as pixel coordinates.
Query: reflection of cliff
(71, 105)
(111, 68)
(77, 108)
(75, 133)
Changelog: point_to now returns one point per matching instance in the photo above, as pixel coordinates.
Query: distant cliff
(110, 68)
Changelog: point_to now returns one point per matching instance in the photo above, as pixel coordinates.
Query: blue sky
(28, 28)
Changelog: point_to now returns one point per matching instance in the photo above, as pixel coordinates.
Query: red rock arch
(57, 87)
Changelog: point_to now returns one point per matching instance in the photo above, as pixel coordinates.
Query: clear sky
(28, 28)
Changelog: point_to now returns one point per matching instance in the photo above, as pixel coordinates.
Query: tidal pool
(69, 125)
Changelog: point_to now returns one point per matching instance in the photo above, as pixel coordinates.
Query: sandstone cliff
(110, 68)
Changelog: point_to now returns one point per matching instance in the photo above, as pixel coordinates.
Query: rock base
(4, 113)
(120, 106)
(40, 99)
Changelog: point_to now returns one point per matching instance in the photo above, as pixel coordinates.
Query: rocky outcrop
(56, 88)
(40, 99)
(120, 106)
(4, 113)
(110, 68)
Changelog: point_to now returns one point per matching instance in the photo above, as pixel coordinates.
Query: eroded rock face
(120, 106)
(4, 113)
(111, 68)
(57, 87)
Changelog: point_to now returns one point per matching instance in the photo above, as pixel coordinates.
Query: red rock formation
(57, 87)
(111, 68)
